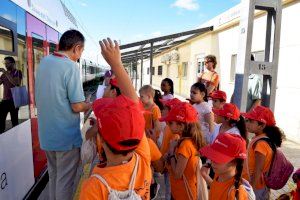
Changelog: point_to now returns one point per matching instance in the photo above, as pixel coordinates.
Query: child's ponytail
(241, 125)
(238, 176)
(275, 134)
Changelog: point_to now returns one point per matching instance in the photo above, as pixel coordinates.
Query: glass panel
(22, 60)
(6, 39)
(8, 10)
(38, 54)
(38, 51)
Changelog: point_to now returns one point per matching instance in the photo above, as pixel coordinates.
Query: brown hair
(193, 131)
(148, 90)
(213, 59)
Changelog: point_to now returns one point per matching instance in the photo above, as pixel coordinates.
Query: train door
(36, 48)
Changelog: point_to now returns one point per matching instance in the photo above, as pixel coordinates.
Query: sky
(134, 20)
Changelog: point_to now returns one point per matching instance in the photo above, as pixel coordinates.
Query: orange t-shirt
(226, 191)
(151, 116)
(154, 151)
(264, 148)
(189, 151)
(118, 177)
(167, 137)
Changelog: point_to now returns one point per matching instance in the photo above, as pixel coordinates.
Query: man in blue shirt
(59, 100)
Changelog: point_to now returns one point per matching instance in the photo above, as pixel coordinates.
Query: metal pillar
(151, 62)
(135, 67)
(142, 62)
(268, 68)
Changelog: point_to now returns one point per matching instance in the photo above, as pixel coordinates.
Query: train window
(6, 39)
(52, 47)
(14, 116)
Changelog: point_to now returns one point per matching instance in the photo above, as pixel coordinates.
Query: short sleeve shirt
(57, 86)
(263, 148)
(189, 151)
(118, 177)
(234, 130)
(7, 85)
(254, 90)
(203, 109)
(151, 116)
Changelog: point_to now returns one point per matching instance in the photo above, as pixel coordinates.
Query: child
(261, 122)
(167, 87)
(199, 98)
(166, 137)
(227, 154)
(157, 99)
(218, 99)
(112, 90)
(152, 116)
(230, 122)
(183, 157)
(120, 122)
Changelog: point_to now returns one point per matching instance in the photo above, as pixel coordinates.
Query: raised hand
(111, 52)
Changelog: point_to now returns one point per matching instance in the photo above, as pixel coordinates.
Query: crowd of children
(202, 150)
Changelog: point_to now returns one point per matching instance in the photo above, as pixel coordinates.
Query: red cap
(170, 102)
(228, 110)
(218, 94)
(182, 112)
(113, 82)
(225, 148)
(261, 114)
(119, 119)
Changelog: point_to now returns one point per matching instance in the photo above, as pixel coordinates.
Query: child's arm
(178, 166)
(205, 174)
(92, 131)
(158, 165)
(157, 129)
(111, 53)
(259, 164)
(209, 118)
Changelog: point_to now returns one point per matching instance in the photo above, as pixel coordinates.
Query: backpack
(129, 194)
(202, 192)
(280, 168)
(247, 187)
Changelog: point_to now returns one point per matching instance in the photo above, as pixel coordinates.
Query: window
(160, 70)
(6, 39)
(52, 47)
(152, 70)
(184, 69)
(233, 67)
(21, 65)
(200, 65)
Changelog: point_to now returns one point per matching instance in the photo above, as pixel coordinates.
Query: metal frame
(149, 52)
(268, 68)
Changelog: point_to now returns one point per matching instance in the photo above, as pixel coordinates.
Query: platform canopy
(148, 48)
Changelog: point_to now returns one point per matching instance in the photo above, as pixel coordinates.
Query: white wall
(287, 113)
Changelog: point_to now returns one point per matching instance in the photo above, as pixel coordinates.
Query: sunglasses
(208, 61)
